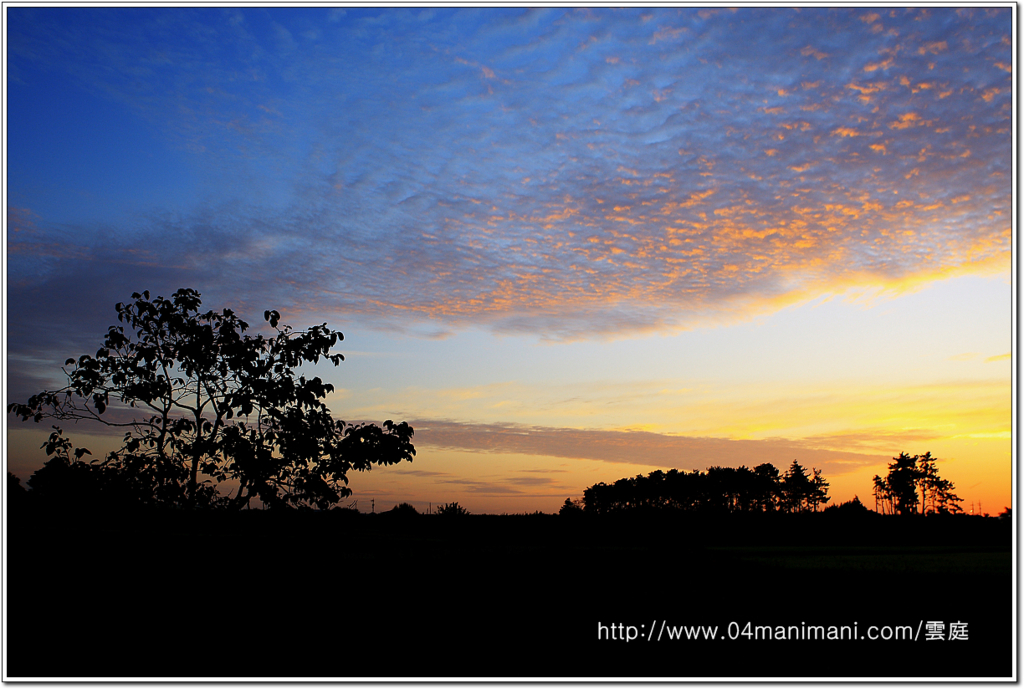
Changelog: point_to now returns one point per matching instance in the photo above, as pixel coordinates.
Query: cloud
(419, 473)
(509, 485)
(480, 487)
(654, 449)
(24, 378)
(530, 481)
(538, 187)
(873, 440)
(285, 41)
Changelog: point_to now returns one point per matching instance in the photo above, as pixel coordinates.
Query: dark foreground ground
(347, 596)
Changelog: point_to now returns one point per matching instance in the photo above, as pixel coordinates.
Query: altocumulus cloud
(569, 172)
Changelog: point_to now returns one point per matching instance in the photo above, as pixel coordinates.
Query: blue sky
(690, 223)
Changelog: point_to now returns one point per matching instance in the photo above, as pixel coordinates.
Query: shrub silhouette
(67, 481)
(850, 507)
(452, 509)
(404, 509)
(17, 496)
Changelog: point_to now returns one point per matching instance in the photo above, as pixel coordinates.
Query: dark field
(340, 595)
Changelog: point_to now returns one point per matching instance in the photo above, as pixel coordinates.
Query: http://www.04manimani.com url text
(663, 630)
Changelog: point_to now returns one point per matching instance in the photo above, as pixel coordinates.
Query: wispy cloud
(654, 449)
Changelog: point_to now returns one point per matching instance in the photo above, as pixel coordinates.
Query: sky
(567, 245)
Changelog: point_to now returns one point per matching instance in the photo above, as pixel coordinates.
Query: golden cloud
(818, 55)
(934, 47)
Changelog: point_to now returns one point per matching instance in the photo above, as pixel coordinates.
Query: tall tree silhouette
(202, 402)
(819, 490)
(902, 483)
(796, 486)
(803, 492)
(913, 482)
(883, 496)
(767, 491)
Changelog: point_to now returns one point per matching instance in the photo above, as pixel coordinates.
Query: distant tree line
(912, 486)
(716, 490)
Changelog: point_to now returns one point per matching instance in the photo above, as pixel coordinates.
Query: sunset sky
(566, 245)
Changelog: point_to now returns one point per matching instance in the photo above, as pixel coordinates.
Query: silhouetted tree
(16, 493)
(902, 483)
(819, 490)
(594, 499)
(795, 486)
(571, 508)
(65, 477)
(883, 497)
(803, 492)
(898, 492)
(722, 489)
(936, 493)
(767, 493)
(927, 480)
(14, 486)
(202, 402)
(685, 491)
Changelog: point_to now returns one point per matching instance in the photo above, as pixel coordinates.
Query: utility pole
(371, 505)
